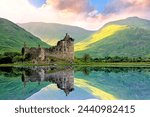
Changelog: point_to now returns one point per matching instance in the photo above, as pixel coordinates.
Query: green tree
(5, 60)
(11, 54)
(17, 59)
(86, 58)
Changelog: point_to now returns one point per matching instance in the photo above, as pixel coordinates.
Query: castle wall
(63, 50)
(64, 78)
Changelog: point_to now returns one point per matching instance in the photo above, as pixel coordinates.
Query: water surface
(68, 83)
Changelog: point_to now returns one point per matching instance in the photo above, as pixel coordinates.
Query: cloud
(73, 12)
(120, 9)
(72, 6)
(118, 6)
(17, 10)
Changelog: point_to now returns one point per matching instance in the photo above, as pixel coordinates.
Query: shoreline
(100, 64)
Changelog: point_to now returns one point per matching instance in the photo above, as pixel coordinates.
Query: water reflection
(123, 83)
(87, 70)
(64, 78)
(89, 83)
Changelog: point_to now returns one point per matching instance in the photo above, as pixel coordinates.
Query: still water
(78, 83)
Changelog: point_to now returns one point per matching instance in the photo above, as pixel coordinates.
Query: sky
(98, 4)
(88, 14)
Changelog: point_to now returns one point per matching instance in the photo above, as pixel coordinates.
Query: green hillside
(12, 37)
(129, 37)
(133, 21)
(51, 32)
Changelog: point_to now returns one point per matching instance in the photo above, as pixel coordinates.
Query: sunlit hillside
(102, 34)
(125, 38)
(52, 41)
(93, 90)
(51, 32)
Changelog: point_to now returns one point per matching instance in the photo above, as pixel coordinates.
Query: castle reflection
(64, 78)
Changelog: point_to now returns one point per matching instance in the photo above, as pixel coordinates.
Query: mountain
(128, 37)
(133, 21)
(52, 32)
(12, 37)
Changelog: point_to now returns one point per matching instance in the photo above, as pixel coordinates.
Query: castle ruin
(63, 50)
(63, 78)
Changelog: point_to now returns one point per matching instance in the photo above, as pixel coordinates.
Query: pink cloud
(74, 6)
(73, 12)
(80, 13)
(117, 6)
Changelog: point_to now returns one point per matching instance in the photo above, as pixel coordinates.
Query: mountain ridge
(53, 32)
(132, 42)
(129, 37)
(132, 21)
(13, 37)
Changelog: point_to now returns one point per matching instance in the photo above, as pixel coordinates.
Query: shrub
(86, 58)
(17, 59)
(11, 54)
(5, 60)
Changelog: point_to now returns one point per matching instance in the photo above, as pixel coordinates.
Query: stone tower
(67, 47)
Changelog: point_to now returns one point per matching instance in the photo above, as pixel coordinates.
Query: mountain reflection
(87, 70)
(20, 83)
(64, 78)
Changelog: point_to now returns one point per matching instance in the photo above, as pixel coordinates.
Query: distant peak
(134, 17)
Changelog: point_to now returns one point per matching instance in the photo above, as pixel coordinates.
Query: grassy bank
(118, 64)
(94, 64)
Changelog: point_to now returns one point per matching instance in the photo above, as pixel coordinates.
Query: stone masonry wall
(63, 50)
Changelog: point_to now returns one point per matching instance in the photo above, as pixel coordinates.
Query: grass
(93, 64)
(119, 64)
(119, 38)
(50, 32)
(102, 34)
(12, 37)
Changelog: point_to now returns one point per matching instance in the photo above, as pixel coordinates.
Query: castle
(63, 50)
(63, 78)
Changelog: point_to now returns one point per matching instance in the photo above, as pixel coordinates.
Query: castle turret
(66, 37)
(68, 47)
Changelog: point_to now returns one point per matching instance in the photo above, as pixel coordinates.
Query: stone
(63, 50)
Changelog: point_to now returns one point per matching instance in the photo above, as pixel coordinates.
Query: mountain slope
(98, 36)
(133, 22)
(12, 37)
(51, 32)
(132, 40)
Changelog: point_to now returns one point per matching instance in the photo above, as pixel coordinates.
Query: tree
(17, 59)
(96, 60)
(86, 57)
(11, 54)
(5, 60)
